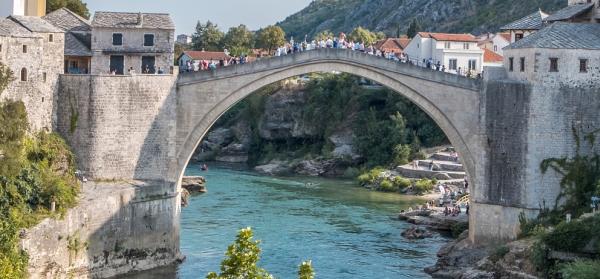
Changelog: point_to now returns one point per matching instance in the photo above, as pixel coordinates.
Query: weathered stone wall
(116, 228)
(120, 127)
(527, 123)
(44, 63)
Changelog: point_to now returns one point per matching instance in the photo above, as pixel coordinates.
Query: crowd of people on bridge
(341, 42)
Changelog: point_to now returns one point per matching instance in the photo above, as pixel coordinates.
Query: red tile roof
(206, 55)
(449, 37)
(393, 44)
(491, 57)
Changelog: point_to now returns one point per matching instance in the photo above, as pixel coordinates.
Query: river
(347, 231)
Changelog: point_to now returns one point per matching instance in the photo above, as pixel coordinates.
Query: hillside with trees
(394, 16)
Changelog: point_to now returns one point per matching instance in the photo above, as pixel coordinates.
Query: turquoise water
(347, 231)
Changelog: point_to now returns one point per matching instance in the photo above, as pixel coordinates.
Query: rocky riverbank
(191, 185)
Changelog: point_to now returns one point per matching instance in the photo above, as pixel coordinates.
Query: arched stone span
(452, 101)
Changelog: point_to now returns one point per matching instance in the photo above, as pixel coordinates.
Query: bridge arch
(451, 101)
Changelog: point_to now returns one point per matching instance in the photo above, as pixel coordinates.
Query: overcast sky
(226, 13)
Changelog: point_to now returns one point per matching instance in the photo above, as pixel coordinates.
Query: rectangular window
(44, 77)
(522, 65)
(148, 39)
(466, 45)
(50, 38)
(518, 37)
(117, 39)
(553, 64)
(24, 48)
(495, 48)
(583, 65)
(453, 64)
(447, 45)
(511, 64)
(473, 64)
(0, 47)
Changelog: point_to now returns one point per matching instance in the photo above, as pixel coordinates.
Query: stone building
(33, 49)
(562, 53)
(577, 11)
(143, 42)
(78, 40)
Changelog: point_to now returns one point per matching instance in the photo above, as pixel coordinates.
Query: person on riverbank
(431, 165)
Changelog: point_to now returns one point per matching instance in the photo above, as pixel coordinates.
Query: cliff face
(391, 16)
(281, 122)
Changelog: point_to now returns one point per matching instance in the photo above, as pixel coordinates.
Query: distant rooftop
(570, 12)
(35, 24)
(534, 21)
(390, 43)
(491, 57)
(67, 20)
(133, 20)
(78, 44)
(10, 28)
(562, 35)
(449, 37)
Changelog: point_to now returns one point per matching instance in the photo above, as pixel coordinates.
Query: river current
(347, 231)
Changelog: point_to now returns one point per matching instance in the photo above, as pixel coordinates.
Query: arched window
(24, 74)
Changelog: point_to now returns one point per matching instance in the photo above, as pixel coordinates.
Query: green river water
(347, 231)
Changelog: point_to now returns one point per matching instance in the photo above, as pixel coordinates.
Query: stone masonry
(145, 129)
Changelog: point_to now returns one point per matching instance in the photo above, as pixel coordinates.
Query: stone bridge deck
(360, 59)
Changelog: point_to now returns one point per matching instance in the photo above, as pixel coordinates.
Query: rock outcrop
(416, 233)
(194, 184)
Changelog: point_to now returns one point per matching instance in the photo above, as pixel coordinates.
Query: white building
(184, 39)
(459, 53)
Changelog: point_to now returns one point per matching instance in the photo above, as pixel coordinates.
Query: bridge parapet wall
(120, 127)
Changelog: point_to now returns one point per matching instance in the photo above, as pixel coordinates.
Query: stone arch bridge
(142, 130)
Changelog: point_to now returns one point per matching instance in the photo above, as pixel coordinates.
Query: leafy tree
(76, 6)
(242, 259)
(207, 37)
(239, 40)
(270, 38)
(580, 175)
(324, 35)
(413, 28)
(363, 35)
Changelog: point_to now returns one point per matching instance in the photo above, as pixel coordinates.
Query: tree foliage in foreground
(242, 261)
(76, 6)
(580, 175)
(35, 172)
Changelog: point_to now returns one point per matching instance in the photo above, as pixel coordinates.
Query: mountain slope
(389, 16)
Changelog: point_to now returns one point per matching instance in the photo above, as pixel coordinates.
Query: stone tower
(22, 7)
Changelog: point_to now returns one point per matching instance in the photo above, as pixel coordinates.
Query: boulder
(313, 167)
(194, 184)
(274, 167)
(416, 233)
